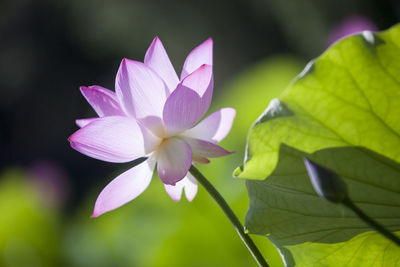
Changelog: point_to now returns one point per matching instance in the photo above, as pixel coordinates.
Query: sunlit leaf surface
(350, 96)
(368, 250)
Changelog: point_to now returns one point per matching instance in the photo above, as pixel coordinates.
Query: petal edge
(202, 54)
(140, 89)
(157, 58)
(102, 100)
(124, 188)
(214, 127)
(113, 139)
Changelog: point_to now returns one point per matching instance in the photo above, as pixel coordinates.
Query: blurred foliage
(29, 231)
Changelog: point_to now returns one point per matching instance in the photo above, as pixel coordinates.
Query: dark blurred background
(50, 48)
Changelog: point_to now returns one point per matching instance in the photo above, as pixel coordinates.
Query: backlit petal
(174, 159)
(140, 90)
(190, 187)
(199, 159)
(215, 127)
(157, 58)
(189, 184)
(175, 191)
(103, 101)
(202, 82)
(206, 149)
(202, 54)
(124, 188)
(189, 102)
(83, 122)
(155, 125)
(114, 139)
(182, 110)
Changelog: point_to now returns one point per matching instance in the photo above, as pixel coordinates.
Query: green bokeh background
(152, 230)
(49, 48)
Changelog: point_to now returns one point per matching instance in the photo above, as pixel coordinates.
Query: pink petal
(190, 100)
(190, 187)
(202, 82)
(83, 122)
(114, 139)
(182, 110)
(202, 54)
(155, 125)
(140, 90)
(199, 159)
(215, 127)
(174, 159)
(156, 58)
(175, 191)
(206, 149)
(124, 188)
(103, 101)
(189, 183)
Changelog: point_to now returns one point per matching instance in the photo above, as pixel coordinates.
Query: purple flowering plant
(156, 115)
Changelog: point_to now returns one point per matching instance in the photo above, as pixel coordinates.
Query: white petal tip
(232, 110)
(190, 199)
(191, 192)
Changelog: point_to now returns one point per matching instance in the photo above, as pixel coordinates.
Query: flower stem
(371, 222)
(231, 216)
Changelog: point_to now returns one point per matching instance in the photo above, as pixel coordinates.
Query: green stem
(231, 216)
(371, 222)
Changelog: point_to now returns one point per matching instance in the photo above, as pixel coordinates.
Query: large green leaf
(343, 111)
(349, 96)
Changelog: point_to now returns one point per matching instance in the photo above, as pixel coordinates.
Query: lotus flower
(154, 114)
